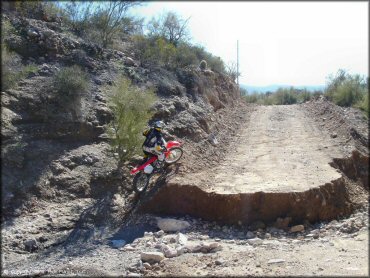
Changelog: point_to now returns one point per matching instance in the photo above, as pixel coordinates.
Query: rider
(154, 143)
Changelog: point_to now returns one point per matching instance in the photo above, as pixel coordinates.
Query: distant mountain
(273, 88)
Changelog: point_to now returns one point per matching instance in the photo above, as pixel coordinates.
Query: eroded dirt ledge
(323, 203)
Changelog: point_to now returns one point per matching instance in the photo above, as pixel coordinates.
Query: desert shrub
(71, 83)
(285, 96)
(7, 29)
(29, 8)
(102, 22)
(349, 92)
(184, 56)
(345, 89)
(303, 96)
(155, 51)
(282, 96)
(12, 69)
(131, 108)
(251, 98)
(213, 62)
(364, 104)
(216, 64)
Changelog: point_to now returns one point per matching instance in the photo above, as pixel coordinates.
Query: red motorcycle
(173, 152)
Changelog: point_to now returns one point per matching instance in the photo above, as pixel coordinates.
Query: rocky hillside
(58, 151)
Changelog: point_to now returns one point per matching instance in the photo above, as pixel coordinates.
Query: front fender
(172, 144)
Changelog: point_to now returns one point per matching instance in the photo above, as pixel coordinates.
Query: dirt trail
(278, 166)
(281, 151)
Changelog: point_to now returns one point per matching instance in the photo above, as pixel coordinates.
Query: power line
(237, 65)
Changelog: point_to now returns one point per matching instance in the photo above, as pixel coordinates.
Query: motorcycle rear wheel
(140, 182)
(174, 156)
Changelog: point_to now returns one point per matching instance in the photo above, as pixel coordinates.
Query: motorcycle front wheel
(174, 155)
(140, 182)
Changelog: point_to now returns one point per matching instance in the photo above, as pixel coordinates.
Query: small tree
(79, 15)
(169, 26)
(131, 108)
(109, 19)
(232, 70)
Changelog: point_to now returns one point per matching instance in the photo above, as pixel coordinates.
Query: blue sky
(295, 43)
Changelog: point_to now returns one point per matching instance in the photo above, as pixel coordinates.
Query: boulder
(169, 252)
(181, 239)
(31, 245)
(160, 233)
(129, 62)
(118, 243)
(155, 257)
(172, 225)
(250, 235)
(255, 241)
(181, 250)
(297, 228)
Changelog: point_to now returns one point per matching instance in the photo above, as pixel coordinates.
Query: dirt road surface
(278, 165)
(279, 150)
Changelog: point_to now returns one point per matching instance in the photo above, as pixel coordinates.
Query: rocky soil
(201, 248)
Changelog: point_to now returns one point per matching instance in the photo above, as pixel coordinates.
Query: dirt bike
(172, 151)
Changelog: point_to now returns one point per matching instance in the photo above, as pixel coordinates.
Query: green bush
(364, 105)
(285, 96)
(184, 56)
(282, 96)
(251, 98)
(10, 66)
(349, 93)
(156, 50)
(213, 62)
(131, 108)
(29, 8)
(71, 83)
(304, 96)
(6, 30)
(345, 89)
(12, 70)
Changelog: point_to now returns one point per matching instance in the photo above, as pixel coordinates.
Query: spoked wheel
(174, 155)
(140, 182)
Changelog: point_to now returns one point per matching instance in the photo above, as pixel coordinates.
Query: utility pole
(237, 65)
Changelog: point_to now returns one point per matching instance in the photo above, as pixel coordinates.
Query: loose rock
(152, 256)
(297, 228)
(181, 239)
(172, 225)
(118, 243)
(275, 261)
